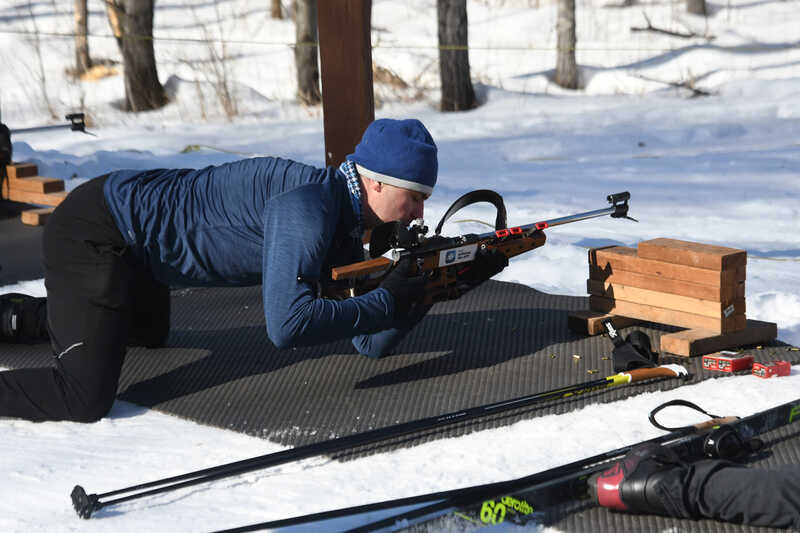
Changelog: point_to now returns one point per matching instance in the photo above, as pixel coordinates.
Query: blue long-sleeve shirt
(267, 221)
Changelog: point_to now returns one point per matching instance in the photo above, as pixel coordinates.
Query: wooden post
(345, 48)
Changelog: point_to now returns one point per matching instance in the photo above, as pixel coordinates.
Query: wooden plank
(348, 104)
(28, 197)
(591, 322)
(607, 261)
(21, 170)
(693, 342)
(666, 316)
(665, 300)
(36, 217)
(725, 293)
(40, 184)
(692, 254)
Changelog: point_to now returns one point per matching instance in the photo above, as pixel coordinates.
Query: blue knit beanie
(398, 152)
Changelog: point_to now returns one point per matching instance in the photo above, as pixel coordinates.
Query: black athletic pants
(98, 301)
(733, 493)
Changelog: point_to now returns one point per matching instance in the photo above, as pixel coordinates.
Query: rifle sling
(481, 195)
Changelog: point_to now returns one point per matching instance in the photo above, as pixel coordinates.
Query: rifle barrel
(530, 228)
(41, 128)
(76, 123)
(571, 218)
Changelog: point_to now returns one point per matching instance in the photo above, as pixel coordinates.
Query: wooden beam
(36, 217)
(671, 317)
(29, 197)
(693, 254)
(724, 293)
(591, 322)
(36, 184)
(21, 170)
(688, 304)
(348, 104)
(609, 260)
(692, 342)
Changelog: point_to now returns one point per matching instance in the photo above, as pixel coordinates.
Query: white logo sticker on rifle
(462, 254)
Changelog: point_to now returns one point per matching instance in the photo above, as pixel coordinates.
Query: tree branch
(686, 84)
(652, 28)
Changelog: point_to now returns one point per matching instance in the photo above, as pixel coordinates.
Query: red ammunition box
(726, 361)
(773, 368)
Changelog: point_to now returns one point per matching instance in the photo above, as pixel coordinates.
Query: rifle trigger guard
(480, 195)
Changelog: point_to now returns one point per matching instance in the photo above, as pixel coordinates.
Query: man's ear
(372, 184)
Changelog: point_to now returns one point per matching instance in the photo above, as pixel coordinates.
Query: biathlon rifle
(443, 260)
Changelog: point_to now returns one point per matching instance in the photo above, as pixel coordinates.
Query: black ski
(517, 501)
(517, 504)
(86, 504)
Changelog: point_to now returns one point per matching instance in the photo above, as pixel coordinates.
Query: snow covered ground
(722, 169)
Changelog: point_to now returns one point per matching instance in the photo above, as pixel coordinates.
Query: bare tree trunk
(696, 7)
(275, 9)
(82, 60)
(566, 66)
(113, 14)
(143, 91)
(457, 91)
(305, 52)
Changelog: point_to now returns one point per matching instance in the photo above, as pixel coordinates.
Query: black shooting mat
(501, 341)
(20, 246)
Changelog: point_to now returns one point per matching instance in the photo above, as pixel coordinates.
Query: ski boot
(23, 318)
(636, 483)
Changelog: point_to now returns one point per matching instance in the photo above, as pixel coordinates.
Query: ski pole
(546, 481)
(86, 504)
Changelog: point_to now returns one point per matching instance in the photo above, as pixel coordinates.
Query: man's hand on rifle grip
(488, 262)
(406, 288)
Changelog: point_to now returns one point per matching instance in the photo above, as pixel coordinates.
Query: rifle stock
(360, 269)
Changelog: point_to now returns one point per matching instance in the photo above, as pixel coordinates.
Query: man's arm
(298, 229)
(383, 342)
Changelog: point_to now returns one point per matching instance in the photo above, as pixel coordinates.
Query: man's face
(391, 203)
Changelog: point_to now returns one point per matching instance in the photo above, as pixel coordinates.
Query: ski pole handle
(714, 422)
(663, 371)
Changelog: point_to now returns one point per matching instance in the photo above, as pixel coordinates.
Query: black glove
(487, 263)
(406, 289)
(634, 353)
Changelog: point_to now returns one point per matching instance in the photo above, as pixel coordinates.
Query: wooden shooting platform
(677, 283)
(26, 186)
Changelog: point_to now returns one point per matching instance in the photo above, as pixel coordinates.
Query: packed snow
(721, 169)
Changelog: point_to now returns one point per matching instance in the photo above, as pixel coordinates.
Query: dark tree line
(132, 24)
